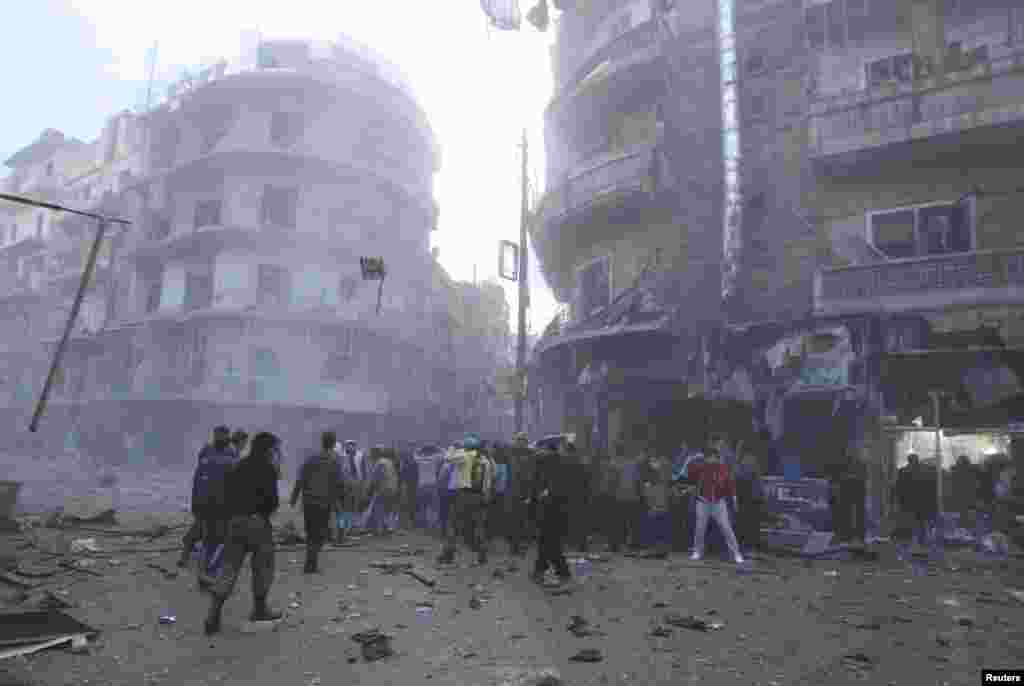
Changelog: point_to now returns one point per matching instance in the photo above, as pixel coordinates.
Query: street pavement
(783, 622)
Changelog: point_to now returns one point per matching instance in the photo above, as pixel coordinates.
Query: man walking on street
(714, 487)
(473, 472)
(354, 472)
(319, 485)
(630, 504)
(917, 500)
(250, 500)
(551, 495)
(408, 477)
(383, 493)
(518, 521)
(605, 507)
(215, 459)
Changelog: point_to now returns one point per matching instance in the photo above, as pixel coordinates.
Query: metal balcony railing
(939, 278)
(990, 93)
(629, 170)
(639, 37)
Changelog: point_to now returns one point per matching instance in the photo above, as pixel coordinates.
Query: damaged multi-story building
(845, 169)
(237, 296)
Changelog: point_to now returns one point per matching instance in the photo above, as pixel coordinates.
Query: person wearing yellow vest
(472, 474)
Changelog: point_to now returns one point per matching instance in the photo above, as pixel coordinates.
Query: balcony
(923, 284)
(639, 45)
(989, 94)
(624, 172)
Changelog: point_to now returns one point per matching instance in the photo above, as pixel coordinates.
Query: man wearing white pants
(714, 486)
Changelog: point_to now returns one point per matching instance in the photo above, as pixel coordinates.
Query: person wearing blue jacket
(214, 462)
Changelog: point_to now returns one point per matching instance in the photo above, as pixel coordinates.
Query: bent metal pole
(83, 285)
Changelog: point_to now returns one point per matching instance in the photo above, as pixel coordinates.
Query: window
(758, 108)
(341, 360)
(918, 231)
(216, 124)
(285, 128)
(834, 24)
(594, 286)
(857, 13)
(153, 293)
(273, 284)
(207, 213)
(814, 22)
(49, 168)
(1017, 25)
(198, 290)
(39, 226)
(755, 65)
(263, 362)
(347, 287)
(280, 206)
(895, 68)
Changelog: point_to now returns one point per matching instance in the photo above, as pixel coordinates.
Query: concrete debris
(587, 655)
(692, 622)
(84, 545)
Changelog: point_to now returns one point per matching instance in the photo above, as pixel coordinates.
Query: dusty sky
(73, 62)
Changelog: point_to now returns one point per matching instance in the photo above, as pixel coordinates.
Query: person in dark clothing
(195, 531)
(214, 461)
(750, 499)
(409, 483)
(915, 495)
(319, 485)
(965, 481)
(517, 514)
(853, 491)
(606, 485)
(239, 441)
(251, 499)
(552, 497)
(580, 483)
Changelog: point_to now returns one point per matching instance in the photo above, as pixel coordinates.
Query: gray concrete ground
(789, 622)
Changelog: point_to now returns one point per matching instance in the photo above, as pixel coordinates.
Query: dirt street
(788, 622)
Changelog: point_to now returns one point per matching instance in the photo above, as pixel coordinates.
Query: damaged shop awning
(948, 369)
(651, 306)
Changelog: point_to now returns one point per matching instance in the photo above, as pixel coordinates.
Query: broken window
(594, 286)
(207, 213)
(280, 206)
(931, 230)
(893, 233)
(285, 128)
(273, 284)
(263, 362)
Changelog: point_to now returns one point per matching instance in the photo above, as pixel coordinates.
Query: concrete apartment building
(873, 241)
(237, 296)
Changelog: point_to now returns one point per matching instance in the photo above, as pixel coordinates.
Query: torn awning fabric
(504, 14)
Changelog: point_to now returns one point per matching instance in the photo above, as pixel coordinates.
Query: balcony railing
(935, 282)
(988, 94)
(640, 37)
(628, 171)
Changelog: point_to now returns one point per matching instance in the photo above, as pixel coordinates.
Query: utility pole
(524, 295)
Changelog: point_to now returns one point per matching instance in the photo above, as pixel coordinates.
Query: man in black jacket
(250, 499)
(552, 497)
(319, 484)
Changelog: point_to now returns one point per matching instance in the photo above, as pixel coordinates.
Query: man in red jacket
(714, 486)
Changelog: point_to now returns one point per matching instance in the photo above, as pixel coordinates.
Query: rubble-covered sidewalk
(627, 620)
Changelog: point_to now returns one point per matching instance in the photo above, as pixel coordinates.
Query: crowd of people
(476, 491)
(479, 491)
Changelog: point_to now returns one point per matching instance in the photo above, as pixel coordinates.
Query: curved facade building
(237, 295)
(629, 230)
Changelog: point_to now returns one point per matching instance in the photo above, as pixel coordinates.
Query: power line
(59, 208)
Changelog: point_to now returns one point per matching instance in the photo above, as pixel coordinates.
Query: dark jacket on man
(915, 491)
(319, 481)
(251, 489)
